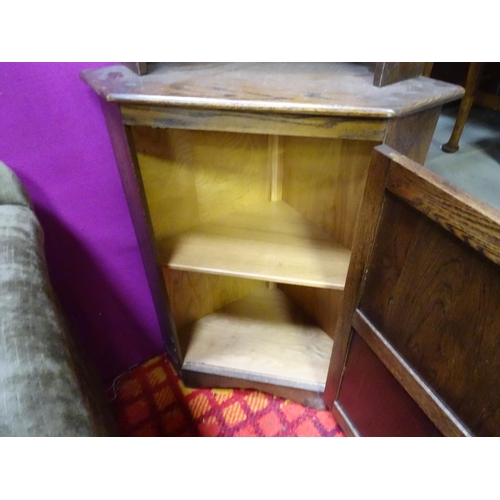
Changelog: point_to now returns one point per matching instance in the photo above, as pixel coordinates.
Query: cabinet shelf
(263, 337)
(267, 241)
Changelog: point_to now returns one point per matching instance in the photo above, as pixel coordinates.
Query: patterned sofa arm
(46, 389)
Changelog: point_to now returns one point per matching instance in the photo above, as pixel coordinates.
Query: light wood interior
(269, 240)
(194, 295)
(320, 304)
(235, 214)
(323, 179)
(262, 337)
(191, 177)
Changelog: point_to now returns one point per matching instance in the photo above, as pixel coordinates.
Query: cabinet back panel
(436, 301)
(192, 177)
(324, 179)
(321, 305)
(195, 295)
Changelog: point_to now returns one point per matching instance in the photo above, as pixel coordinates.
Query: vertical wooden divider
(275, 174)
(276, 167)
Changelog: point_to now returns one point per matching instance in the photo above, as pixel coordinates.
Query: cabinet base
(311, 399)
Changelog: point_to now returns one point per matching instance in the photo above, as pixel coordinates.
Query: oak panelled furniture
(244, 182)
(417, 346)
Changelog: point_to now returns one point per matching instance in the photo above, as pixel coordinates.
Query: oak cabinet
(244, 182)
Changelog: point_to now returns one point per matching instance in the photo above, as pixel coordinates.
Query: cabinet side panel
(436, 301)
(192, 177)
(322, 305)
(324, 179)
(195, 295)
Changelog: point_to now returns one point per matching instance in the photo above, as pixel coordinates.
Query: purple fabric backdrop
(52, 134)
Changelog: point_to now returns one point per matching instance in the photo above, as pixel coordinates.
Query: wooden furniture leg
(473, 77)
(427, 69)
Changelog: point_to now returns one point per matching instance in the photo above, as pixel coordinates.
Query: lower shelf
(267, 241)
(264, 338)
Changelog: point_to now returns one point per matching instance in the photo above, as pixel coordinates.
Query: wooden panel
(326, 89)
(412, 135)
(268, 241)
(388, 73)
(276, 167)
(324, 180)
(443, 321)
(466, 217)
(421, 393)
(322, 305)
(401, 223)
(194, 177)
(366, 230)
(262, 338)
(194, 295)
(375, 402)
(255, 123)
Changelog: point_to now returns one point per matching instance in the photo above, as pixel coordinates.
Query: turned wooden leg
(473, 77)
(427, 69)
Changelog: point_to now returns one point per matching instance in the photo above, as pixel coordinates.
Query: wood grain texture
(436, 302)
(394, 215)
(267, 241)
(262, 338)
(328, 89)
(276, 167)
(194, 171)
(195, 295)
(421, 393)
(411, 136)
(366, 229)
(324, 181)
(374, 402)
(126, 159)
(191, 177)
(254, 122)
(321, 305)
(388, 73)
(468, 218)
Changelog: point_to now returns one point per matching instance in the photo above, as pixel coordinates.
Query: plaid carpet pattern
(151, 400)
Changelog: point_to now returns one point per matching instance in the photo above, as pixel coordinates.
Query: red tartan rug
(150, 400)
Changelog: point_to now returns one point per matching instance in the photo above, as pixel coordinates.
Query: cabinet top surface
(332, 89)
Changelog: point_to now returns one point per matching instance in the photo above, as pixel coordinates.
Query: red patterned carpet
(150, 400)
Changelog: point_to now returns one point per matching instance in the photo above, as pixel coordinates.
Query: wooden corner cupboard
(244, 182)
